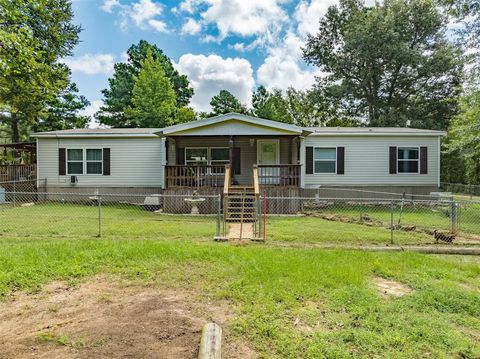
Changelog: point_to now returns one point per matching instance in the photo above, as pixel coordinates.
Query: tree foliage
(464, 135)
(118, 96)
(34, 35)
(225, 102)
(388, 64)
(153, 97)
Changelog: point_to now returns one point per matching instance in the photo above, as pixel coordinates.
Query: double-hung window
(196, 156)
(325, 160)
(94, 161)
(408, 159)
(88, 161)
(75, 161)
(215, 156)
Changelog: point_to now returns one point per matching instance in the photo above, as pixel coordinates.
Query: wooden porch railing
(227, 180)
(279, 175)
(197, 176)
(17, 172)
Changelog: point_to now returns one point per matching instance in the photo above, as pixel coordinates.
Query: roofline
(93, 135)
(388, 134)
(232, 116)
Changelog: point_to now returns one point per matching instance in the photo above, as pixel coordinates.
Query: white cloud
(91, 64)
(210, 74)
(262, 18)
(191, 27)
(143, 13)
(109, 5)
(283, 67)
(90, 111)
(308, 13)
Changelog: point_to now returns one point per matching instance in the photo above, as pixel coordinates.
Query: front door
(268, 153)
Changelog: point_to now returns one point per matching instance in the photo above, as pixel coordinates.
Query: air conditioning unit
(73, 179)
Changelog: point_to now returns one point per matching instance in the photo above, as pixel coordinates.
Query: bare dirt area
(390, 288)
(106, 317)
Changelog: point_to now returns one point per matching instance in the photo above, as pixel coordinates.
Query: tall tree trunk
(14, 128)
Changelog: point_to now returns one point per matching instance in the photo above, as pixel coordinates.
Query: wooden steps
(240, 204)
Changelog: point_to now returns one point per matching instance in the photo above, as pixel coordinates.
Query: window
(75, 161)
(196, 156)
(94, 161)
(219, 157)
(407, 159)
(89, 161)
(325, 160)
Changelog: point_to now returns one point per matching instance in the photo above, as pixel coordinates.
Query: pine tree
(153, 97)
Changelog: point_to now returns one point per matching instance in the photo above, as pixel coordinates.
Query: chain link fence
(469, 190)
(302, 219)
(109, 215)
(387, 221)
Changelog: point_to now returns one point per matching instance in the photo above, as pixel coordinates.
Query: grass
(318, 230)
(328, 293)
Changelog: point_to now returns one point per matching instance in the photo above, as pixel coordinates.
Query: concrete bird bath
(194, 201)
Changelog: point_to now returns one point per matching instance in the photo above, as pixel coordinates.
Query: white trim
(163, 156)
(277, 154)
(302, 162)
(232, 116)
(403, 160)
(438, 162)
(336, 161)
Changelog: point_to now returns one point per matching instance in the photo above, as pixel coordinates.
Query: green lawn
(328, 292)
(318, 230)
(128, 221)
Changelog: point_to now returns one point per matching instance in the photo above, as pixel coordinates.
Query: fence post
(391, 222)
(14, 192)
(453, 216)
(99, 201)
(219, 209)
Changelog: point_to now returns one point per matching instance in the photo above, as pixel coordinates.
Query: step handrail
(226, 182)
(256, 186)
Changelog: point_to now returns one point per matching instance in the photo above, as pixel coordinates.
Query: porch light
(252, 142)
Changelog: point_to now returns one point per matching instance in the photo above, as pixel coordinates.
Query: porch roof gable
(233, 124)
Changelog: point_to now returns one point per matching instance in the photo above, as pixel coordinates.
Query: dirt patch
(245, 229)
(390, 288)
(108, 317)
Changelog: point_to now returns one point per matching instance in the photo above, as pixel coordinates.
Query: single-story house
(288, 159)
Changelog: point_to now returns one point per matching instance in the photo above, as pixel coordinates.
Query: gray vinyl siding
(134, 162)
(248, 153)
(367, 161)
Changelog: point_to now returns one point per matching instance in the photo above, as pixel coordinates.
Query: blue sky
(219, 44)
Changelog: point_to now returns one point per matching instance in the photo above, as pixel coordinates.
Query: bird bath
(194, 201)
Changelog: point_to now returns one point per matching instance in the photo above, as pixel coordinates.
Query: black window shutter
(423, 160)
(180, 156)
(340, 160)
(61, 162)
(393, 160)
(309, 160)
(237, 162)
(106, 161)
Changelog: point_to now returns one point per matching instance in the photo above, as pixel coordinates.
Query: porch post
(302, 162)
(230, 150)
(163, 160)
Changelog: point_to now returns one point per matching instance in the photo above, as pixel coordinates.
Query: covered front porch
(200, 161)
(197, 152)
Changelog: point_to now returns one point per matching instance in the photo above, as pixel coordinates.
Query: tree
(119, 95)
(62, 112)
(225, 102)
(388, 64)
(34, 35)
(464, 134)
(153, 97)
(185, 114)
